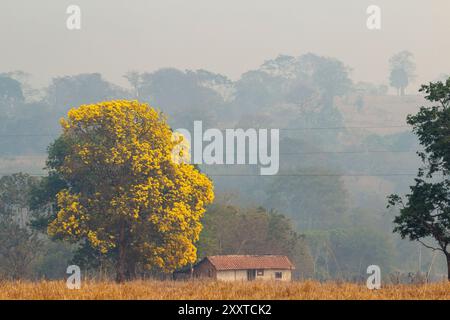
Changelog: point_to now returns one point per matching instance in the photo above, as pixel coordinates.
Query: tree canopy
(124, 196)
(402, 70)
(426, 211)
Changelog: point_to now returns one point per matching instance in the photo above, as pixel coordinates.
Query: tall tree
(134, 78)
(183, 96)
(426, 211)
(330, 75)
(345, 253)
(124, 195)
(230, 229)
(314, 203)
(402, 71)
(20, 246)
(10, 89)
(68, 91)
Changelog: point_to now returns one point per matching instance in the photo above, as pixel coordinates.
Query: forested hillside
(344, 146)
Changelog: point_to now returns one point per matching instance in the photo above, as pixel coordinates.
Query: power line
(280, 175)
(348, 127)
(347, 152)
(14, 157)
(285, 129)
(331, 128)
(315, 175)
(13, 135)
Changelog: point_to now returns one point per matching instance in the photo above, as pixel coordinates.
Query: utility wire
(281, 153)
(286, 129)
(315, 175)
(280, 175)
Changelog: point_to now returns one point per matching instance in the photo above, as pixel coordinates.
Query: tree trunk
(448, 266)
(120, 272)
(130, 268)
(120, 269)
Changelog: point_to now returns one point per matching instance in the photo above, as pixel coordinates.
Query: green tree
(181, 95)
(68, 91)
(10, 89)
(123, 196)
(402, 71)
(345, 253)
(20, 246)
(134, 78)
(229, 229)
(19, 249)
(312, 201)
(425, 213)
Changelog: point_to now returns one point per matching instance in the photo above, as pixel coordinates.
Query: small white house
(244, 268)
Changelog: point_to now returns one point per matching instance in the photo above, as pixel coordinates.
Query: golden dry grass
(196, 290)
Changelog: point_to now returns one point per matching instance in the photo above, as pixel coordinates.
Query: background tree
(230, 229)
(10, 89)
(284, 92)
(69, 91)
(402, 71)
(426, 211)
(20, 246)
(345, 253)
(134, 78)
(312, 202)
(180, 95)
(125, 197)
(330, 75)
(19, 249)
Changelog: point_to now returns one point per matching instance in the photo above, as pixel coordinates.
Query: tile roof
(239, 262)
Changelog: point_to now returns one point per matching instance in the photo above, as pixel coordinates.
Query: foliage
(181, 95)
(292, 92)
(20, 246)
(426, 211)
(70, 91)
(312, 201)
(345, 253)
(125, 197)
(402, 70)
(19, 249)
(234, 230)
(10, 89)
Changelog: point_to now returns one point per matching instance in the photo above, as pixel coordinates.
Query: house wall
(241, 275)
(269, 274)
(204, 270)
(232, 275)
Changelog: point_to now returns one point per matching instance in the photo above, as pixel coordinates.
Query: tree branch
(429, 247)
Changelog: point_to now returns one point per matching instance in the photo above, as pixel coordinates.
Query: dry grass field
(196, 290)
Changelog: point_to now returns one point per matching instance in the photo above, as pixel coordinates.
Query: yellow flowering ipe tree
(126, 196)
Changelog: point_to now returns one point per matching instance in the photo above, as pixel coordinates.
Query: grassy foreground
(218, 290)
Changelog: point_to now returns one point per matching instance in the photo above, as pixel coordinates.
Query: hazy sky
(224, 36)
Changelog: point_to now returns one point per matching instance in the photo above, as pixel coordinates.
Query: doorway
(251, 274)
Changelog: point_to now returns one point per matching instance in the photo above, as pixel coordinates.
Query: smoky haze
(227, 37)
(338, 93)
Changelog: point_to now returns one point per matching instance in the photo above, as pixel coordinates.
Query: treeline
(307, 212)
(304, 87)
(26, 252)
